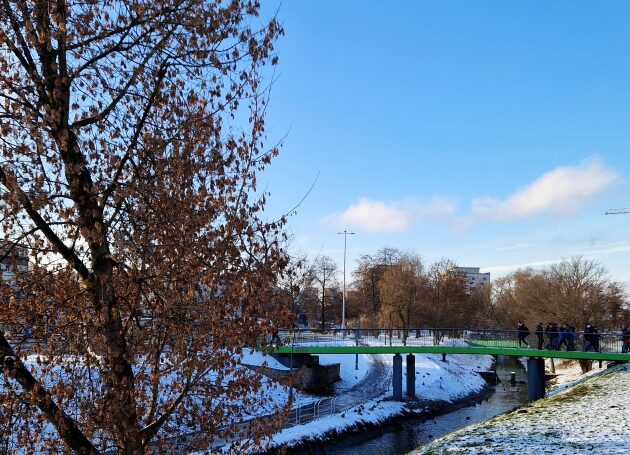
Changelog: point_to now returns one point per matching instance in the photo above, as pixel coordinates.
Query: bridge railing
(497, 338)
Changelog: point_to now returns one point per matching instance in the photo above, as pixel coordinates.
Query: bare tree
(325, 272)
(525, 295)
(298, 285)
(448, 294)
(576, 291)
(131, 134)
(368, 276)
(403, 288)
(580, 287)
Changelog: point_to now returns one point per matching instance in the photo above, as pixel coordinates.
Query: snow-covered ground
(593, 416)
(435, 381)
(350, 376)
(372, 411)
(447, 381)
(569, 374)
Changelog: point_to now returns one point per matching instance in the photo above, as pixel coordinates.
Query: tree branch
(10, 182)
(132, 80)
(148, 432)
(136, 134)
(12, 367)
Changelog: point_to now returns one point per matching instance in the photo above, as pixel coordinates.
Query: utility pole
(343, 297)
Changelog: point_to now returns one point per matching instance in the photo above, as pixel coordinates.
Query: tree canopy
(132, 132)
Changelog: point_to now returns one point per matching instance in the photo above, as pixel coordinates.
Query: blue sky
(493, 133)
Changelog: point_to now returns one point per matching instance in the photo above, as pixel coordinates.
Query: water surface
(414, 432)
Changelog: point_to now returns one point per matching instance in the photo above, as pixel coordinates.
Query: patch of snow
(257, 358)
(592, 417)
(449, 380)
(435, 380)
(350, 377)
(373, 411)
(570, 374)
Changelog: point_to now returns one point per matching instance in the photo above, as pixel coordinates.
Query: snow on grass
(370, 412)
(350, 376)
(257, 358)
(569, 374)
(436, 380)
(593, 416)
(450, 380)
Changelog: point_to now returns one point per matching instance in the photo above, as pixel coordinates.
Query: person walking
(523, 333)
(588, 338)
(552, 333)
(570, 336)
(596, 339)
(549, 333)
(555, 335)
(540, 335)
(562, 332)
(625, 338)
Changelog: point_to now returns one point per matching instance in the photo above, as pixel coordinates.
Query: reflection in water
(415, 433)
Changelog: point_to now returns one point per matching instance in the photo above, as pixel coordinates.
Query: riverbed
(412, 433)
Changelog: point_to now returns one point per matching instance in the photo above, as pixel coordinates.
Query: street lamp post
(343, 297)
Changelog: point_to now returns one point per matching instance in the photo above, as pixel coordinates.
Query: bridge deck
(607, 346)
(478, 350)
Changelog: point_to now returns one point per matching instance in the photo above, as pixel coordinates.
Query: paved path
(375, 383)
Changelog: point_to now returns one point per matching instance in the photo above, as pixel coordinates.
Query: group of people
(565, 334)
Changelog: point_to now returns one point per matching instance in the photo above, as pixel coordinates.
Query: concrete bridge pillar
(535, 378)
(397, 377)
(411, 375)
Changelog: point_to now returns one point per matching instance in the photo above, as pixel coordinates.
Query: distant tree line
(397, 290)
(576, 291)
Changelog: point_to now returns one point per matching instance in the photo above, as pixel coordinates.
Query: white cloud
(381, 216)
(372, 216)
(438, 207)
(561, 191)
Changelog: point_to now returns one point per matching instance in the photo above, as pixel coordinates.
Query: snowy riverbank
(591, 416)
(436, 381)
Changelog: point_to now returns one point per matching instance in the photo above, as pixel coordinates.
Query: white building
(14, 260)
(475, 278)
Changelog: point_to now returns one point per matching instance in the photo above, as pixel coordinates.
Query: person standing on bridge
(552, 333)
(540, 335)
(275, 337)
(523, 332)
(625, 338)
(588, 338)
(596, 339)
(570, 338)
(562, 335)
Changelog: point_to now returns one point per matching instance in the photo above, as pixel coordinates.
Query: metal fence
(311, 411)
(337, 404)
(571, 341)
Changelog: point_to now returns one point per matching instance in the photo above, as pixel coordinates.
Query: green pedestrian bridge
(301, 343)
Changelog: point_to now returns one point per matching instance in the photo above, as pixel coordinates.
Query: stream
(415, 432)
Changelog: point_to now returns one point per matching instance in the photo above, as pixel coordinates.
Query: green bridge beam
(513, 352)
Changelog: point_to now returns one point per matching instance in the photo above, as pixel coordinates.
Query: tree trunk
(120, 380)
